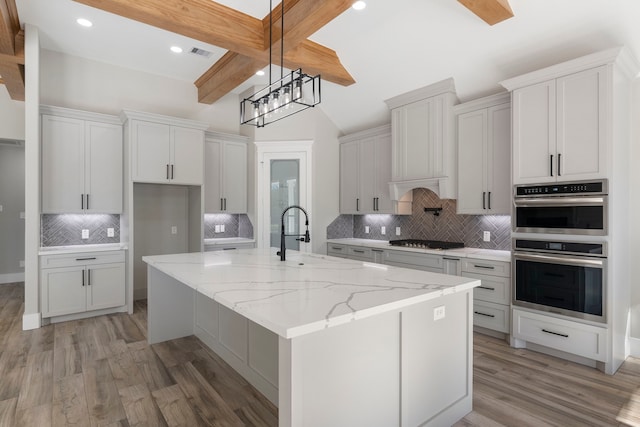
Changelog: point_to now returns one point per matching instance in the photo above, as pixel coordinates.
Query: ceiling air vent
(12, 142)
(200, 52)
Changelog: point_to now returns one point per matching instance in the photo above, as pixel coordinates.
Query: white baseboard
(11, 278)
(634, 347)
(31, 321)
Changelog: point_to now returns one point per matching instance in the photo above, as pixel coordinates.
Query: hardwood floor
(102, 372)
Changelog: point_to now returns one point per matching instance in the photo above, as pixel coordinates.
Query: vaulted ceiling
(387, 49)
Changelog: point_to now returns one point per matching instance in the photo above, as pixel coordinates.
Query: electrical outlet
(398, 231)
(486, 236)
(383, 230)
(366, 229)
(21, 215)
(222, 228)
(1, 208)
(110, 232)
(216, 228)
(174, 229)
(438, 312)
(85, 233)
(21, 263)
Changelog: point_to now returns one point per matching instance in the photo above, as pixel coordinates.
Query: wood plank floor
(102, 372)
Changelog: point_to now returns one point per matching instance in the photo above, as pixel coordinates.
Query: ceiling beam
(11, 50)
(490, 11)
(246, 38)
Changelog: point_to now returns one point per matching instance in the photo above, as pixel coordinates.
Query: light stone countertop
(73, 249)
(307, 292)
(477, 253)
(227, 241)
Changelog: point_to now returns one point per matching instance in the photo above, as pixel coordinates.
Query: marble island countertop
(307, 292)
(486, 254)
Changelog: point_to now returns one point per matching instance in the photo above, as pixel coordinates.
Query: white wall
(11, 225)
(634, 205)
(12, 116)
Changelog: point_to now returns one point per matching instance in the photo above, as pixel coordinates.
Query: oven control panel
(592, 249)
(594, 187)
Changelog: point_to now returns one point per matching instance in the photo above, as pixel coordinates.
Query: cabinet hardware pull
(167, 170)
(82, 201)
(484, 314)
(551, 164)
(85, 259)
(357, 205)
(487, 288)
(377, 203)
(171, 171)
(451, 259)
(488, 267)
(221, 205)
(358, 251)
(82, 272)
(555, 333)
(559, 156)
(377, 250)
(229, 249)
(484, 206)
(489, 200)
(374, 204)
(88, 277)
(225, 203)
(87, 202)
(336, 248)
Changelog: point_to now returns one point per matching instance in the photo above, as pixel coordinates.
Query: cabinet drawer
(334, 249)
(81, 258)
(360, 253)
(418, 261)
(572, 337)
(493, 289)
(481, 266)
(491, 316)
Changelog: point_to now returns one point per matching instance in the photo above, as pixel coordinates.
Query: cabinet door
(234, 177)
(105, 286)
(150, 149)
(62, 165)
(187, 156)
(367, 175)
(383, 174)
(498, 166)
(63, 291)
(349, 203)
(581, 131)
(534, 133)
(417, 140)
(213, 177)
(472, 158)
(103, 160)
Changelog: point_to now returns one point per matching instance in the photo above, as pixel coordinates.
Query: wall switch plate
(110, 232)
(486, 236)
(174, 229)
(383, 230)
(85, 233)
(1, 208)
(438, 312)
(366, 229)
(398, 231)
(216, 228)
(21, 215)
(222, 228)
(21, 263)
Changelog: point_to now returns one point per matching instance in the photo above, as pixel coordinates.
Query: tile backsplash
(447, 226)
(235, 225)
(66, 229)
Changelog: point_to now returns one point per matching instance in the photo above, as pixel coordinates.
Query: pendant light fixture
(289, 95)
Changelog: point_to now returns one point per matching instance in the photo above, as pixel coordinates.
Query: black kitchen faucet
(301, 237)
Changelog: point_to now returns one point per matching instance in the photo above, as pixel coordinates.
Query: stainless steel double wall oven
(564, 273)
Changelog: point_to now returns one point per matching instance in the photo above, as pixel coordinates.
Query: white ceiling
(390, 47)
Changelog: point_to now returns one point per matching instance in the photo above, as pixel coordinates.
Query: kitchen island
(332, 342)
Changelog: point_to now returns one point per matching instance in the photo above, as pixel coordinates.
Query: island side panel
(436, 361)
(346, 375)
(170, 306)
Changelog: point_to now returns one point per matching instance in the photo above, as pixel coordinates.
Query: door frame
(272, 150)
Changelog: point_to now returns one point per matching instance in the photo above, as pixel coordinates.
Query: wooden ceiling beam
(11, 50)
(317, 59)
(490, 11)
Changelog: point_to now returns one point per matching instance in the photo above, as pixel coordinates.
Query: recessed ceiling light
(84, 22)
(176, 49)
(359, 5)
(260, 73)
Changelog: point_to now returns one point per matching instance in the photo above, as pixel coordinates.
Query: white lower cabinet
(419, 261)
(81, 282)
(358, 253)
(572, 337)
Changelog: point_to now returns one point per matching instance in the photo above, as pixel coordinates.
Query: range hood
(441, 186)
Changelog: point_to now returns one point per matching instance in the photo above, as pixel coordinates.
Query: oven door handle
(560, 201)
(560, 259)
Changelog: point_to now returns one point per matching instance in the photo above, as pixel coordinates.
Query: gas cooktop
(426, 244)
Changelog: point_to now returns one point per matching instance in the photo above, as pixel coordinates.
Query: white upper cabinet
(365, 172)
(165, 150)
(484, 148)
(225, 174)
(423, 147)
(561, 125)
(81, 162)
